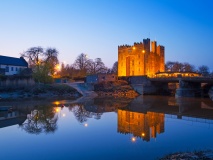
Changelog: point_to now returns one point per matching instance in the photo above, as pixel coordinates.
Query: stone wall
(16, 82)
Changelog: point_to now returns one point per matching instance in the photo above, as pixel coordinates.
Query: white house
(12, 65)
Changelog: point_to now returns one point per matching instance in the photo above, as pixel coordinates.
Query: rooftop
(13, 61)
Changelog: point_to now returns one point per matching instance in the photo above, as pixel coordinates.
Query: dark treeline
(84, 66)
(186, 67)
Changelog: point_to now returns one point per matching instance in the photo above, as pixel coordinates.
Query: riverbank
(39, 91)
(117, 88)
(196, 155)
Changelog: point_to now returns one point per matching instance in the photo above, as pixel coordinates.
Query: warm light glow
(58, 67)
(133, 139)
(134, 48)
(56, 103)
(57, 110)
(143, 134)
(143, 51)
(39, 61)
(85, 125)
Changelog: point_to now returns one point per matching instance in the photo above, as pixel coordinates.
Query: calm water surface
(147, 127)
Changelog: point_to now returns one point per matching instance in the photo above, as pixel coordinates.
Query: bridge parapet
(177, 79)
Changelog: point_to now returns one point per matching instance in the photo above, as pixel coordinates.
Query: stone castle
(139, 60)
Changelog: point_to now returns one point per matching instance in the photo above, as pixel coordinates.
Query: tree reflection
(41, 121)
(94, 108)
(80, 113)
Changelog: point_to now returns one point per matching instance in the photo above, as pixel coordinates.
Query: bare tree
(51, 59)
(204, 70)
(34, 56)
(97, 66)
(179, 67)
(42, 62)
(188, 67)
(82, 63)
(115, 68)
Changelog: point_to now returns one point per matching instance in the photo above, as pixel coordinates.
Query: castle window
(139, 62)
(133, 62)
(11, 68)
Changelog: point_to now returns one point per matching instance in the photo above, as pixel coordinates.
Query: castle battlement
(124, 46)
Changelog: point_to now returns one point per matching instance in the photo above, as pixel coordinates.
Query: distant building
(138, 60)
(177, 74)
(97, 78)
(11, 65)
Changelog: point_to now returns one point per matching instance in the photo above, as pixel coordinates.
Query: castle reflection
(141, 125)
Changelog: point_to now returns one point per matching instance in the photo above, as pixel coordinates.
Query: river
(147, 127)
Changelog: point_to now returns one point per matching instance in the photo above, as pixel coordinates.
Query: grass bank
(39, 91)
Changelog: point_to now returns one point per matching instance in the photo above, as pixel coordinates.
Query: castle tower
(160, 52)
(146, 43)
(154, 46)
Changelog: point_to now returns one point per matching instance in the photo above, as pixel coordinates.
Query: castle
(139, 60)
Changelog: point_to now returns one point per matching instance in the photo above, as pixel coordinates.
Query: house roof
(13, 61)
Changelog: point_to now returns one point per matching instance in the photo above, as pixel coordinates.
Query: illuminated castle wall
(141, 125)
(138, 60)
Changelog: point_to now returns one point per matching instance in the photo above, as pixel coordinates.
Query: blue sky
(97, 27)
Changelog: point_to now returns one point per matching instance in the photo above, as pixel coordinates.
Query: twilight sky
(97, 27)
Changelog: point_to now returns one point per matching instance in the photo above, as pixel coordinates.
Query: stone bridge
(187, 86)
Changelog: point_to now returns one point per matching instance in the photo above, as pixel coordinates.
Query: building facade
(11, 65)
(142, 58)
(102, 77)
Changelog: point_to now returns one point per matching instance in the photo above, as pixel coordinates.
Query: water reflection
(144, 128)
(142, 117)
(141, 125)
(94, 108)
(39, 121)
(11, 117)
